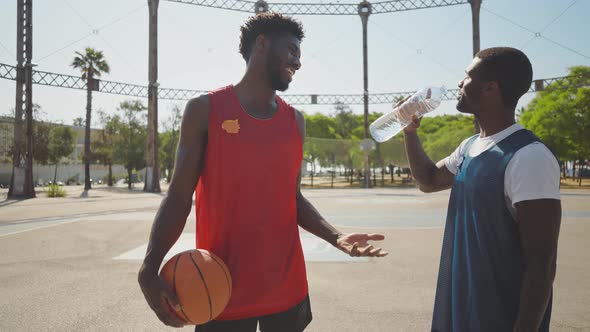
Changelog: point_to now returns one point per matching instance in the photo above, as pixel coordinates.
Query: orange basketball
(201, 282)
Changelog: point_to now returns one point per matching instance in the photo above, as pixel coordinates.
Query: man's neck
(256, 96)
(490, 123)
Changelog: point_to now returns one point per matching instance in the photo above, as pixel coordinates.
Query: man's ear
(490, 88)
(262, 44)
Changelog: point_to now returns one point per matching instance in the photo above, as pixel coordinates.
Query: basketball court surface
(71, 264)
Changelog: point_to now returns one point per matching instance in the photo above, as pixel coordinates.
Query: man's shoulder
(299, 117)
(462, 148)
(285, 103)
(532, 173)
(221, 91)
(298, 114)
(536, 152)
(534, 160)
(198, 104)
(197, 109)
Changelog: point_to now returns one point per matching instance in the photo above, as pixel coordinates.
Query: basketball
(201, 282)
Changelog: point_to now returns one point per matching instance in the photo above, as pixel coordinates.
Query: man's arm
(175, 208)
(310, 219)
(538, 221)
(430, 177)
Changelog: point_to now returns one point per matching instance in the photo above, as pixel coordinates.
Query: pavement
(70, 264)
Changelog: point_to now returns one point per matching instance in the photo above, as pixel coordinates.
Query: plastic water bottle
(420, 103)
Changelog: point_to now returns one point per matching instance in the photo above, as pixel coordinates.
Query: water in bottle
(420, 103)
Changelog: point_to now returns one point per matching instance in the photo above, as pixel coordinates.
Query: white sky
(198, 48)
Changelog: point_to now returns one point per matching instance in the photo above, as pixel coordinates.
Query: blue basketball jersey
(481, 264)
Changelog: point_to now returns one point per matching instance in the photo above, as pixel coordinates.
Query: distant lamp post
(261, 6)
(364, 11)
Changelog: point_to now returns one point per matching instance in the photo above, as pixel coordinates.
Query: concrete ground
(70, 264)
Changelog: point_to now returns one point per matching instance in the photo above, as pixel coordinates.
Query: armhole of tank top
(467, 146)
(292, 115)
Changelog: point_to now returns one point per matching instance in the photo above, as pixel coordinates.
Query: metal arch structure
(24, 71)
(364, 9)
(381, 7)
(134, 90)
(25, 76)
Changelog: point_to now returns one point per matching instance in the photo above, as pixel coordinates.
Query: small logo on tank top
(231, 126)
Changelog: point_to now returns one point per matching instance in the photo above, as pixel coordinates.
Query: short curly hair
(274, 24)
(509, 67)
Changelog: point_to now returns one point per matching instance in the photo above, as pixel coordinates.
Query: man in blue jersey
(499, 252)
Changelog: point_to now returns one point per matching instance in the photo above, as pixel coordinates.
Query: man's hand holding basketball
(160, 298)
(357, 245)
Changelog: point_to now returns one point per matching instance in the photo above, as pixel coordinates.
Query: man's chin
(281, 86)
(461, 108)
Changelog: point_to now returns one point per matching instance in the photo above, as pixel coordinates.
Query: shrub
(56, 191)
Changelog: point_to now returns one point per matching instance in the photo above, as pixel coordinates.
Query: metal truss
(179, 94)
(123, 89)
(134, 90)
(398, 6)
(7, 71)
(560, 83)
(119, 88)
(59, 80)
(322, 8)
(356, 99)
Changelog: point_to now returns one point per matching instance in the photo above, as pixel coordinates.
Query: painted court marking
(25, 225)
(15, 228)
(314, 250)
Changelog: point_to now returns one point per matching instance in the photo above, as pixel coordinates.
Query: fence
(340, 163)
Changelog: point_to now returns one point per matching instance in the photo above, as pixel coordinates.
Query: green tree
(41, 134)
(320, 126)
(310, 154)
(560, 117)
(130, 146)
(92, 64)
(41, 130)
(78, 122)
(103, 145)
(62, 142)
(441, 135)
(346, 122)
(334, 141)
(169, 141)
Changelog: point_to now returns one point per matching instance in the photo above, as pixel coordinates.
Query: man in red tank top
(241, 147)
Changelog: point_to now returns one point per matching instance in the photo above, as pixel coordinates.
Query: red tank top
(246, 205)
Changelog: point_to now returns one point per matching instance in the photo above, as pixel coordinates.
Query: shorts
(295, 319)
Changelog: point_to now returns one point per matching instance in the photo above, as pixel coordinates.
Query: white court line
(314, 250)
(26, 225)
(33, 228)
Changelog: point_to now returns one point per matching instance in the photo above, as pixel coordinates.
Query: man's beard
(274, 72)
(467, 106)
(461, 105)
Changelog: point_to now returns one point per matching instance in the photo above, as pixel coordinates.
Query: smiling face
(283, 60)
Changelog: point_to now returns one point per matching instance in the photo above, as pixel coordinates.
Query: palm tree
(91, 64)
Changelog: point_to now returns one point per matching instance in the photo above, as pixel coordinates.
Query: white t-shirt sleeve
(532, 173)
(452, 161)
